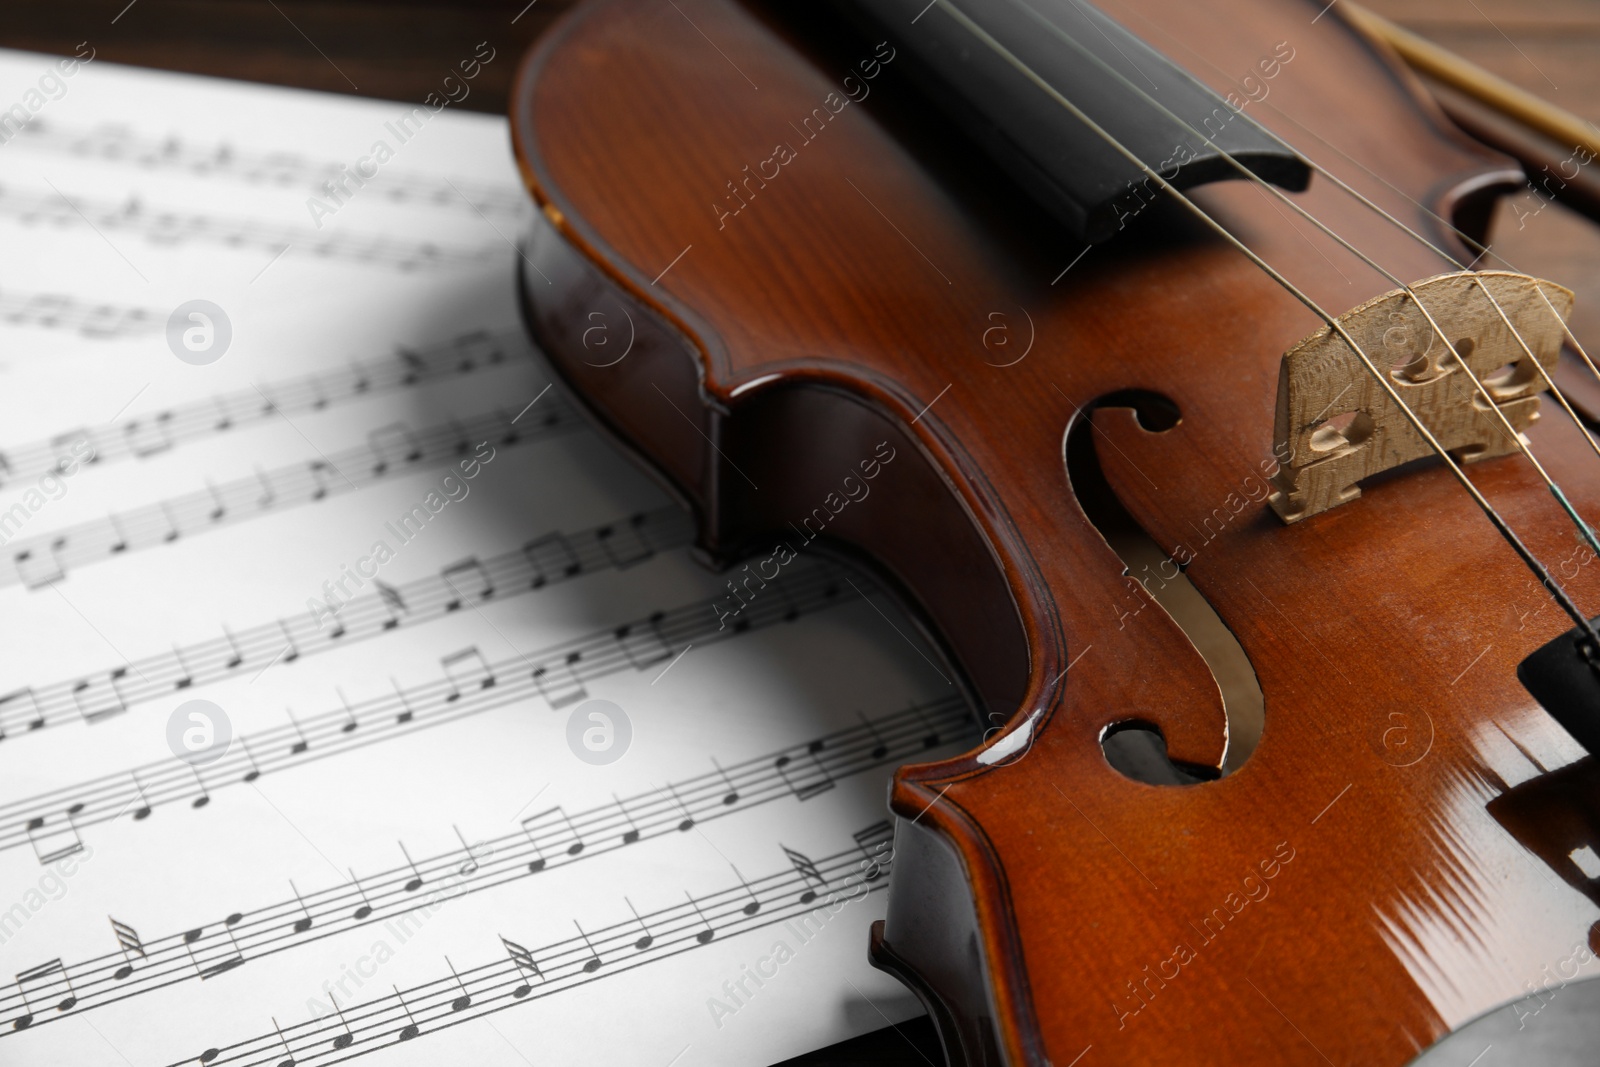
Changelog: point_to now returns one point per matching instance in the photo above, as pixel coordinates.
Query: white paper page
(305, 634)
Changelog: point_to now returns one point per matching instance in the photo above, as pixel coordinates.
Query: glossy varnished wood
(776, 348)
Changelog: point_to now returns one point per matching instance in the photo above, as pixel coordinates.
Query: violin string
(1566, 328)
(1449, 257)
(1550, 382)
(1466, 239)
(1528, 558)
(1516, 438)
(1576, 344)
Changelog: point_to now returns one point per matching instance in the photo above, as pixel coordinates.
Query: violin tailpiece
(1335, 423)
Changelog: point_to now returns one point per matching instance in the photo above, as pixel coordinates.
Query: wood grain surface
(835, 299)
(394, 51)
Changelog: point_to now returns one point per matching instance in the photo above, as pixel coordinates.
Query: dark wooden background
(393, 49)
(1551, 48)
(399, 49)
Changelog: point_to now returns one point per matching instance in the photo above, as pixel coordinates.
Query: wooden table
(398, 50)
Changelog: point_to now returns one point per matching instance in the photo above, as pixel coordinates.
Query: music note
(366, 905)
(477, 345)
(406, 714)
(320, 477)
(465, 999)
(302, 924)
(554, 817)
(291, 651)
(360, 381)
(172, 524)
(301, 745)
(627, 546)
(49, 975)
(416, 876)
(63, 443)
(809, 789)
(704, 936)
(128, 941)
(732, 796)
(143, 810)
(469, 866)
(186, 677)
(808, 873)
(395, 441)
(35, 570)
(633, 828)
(426, 254)
(236, 656)
(54, 838)
(105, 320)
(687, 822)
(755, 901)
(551, 555)
(559, 683)
(234, 959)
(43, 308)
(647, 939)
(644, 645)
(393, 601)
(932, 739)
(205, 794)
(593, 963)
(20, 708)
(19, 314)
(474, 576)
(351, 722)
(525, 964)
(255, 768)
(346, 1039)
(219, 510)
(269, 405)
(469, 665)
(167, 228)
(147, 437)
(285, 1042)
(414, 364)
(880, 750)
(463, 442)
(577, 844)
(410, 1030)
(99, 705)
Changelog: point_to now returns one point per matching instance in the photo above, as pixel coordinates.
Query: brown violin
(1139, 349)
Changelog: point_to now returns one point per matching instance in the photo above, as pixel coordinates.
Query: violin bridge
(1336, 425)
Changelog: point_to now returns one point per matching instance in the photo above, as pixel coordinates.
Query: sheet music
(358, 699)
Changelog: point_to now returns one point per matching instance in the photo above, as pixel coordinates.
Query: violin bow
(1538, 133)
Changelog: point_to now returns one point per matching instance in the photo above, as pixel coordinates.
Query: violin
(1138, 349)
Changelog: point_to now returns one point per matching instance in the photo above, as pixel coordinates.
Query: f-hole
(1135, 747)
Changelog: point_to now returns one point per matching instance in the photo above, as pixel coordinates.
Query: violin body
(827, 323)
